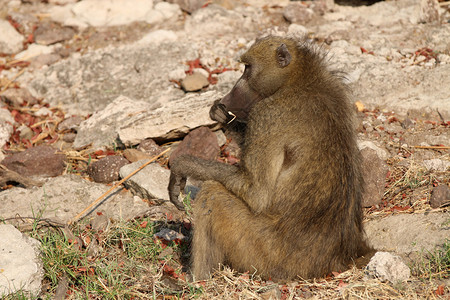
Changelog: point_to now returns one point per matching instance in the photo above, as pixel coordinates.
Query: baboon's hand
(176, 185)
(219, 113)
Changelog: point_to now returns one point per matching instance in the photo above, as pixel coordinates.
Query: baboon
(293, 205)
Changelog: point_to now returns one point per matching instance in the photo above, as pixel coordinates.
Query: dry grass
(351, 284)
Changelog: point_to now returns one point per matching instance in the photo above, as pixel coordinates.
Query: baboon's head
(268, 66)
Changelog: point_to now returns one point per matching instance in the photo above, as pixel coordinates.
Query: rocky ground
(91, 90)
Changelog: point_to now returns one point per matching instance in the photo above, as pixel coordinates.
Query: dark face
(236, 105)
(264, 74)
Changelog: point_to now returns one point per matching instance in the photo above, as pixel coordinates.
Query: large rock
(20, 263)
(63, 197)
(112, 13)
(194, 82)
(50, 33)
(41, 161)
(200, 142)
(429, 11)
(82, 85)
(10, 39)
(390, 76)
(173, 120)
(408, 233)
(33, 51)
(101, 129)
(388, 267)
(215, 20)
(127, 121)
(374, 172)
(381, 152)
(106, 170)
(440, 196)
(149, 147)
(297, 12)
(436, 164)
(149, 183)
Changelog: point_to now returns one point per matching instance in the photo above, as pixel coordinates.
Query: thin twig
(115, 186)
(43, 122)
(432, 147)
(12, 80)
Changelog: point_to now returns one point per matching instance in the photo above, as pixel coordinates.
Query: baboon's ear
(283, 56)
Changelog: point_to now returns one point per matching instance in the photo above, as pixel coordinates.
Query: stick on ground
(432, 147)
(74, 219)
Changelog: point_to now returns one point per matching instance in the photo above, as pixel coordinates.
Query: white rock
(213, 21)
(10, 39)
(53, 201)
(43, 111)
(33, 51)
(368, 144)
(388, 267)
(64, 15)
(110, 13)
(159, 36)
(14, 3)
(177, 74)
(201, 72)
(6, 126)
(297, 31)
(175, 118)
(443, 58)
(420, 58)
(154, 17)
(241, 41)
(101, 128)
(21, 267)
(429, 64)
(149, 183)
(168, 10)
(437, 164)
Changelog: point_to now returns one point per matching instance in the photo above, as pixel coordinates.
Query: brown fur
(293, 206)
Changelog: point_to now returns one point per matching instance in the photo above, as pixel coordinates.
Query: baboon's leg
(206, 254)
(226, 231)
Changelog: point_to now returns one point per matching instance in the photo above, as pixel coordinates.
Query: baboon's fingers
(182, 183)
(175, 184)
(219, 113)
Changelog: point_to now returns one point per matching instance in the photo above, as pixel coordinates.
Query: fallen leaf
(342, 284)
(400, 208)
(440, 290)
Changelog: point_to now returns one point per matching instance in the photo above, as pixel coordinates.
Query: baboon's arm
(254, 185)
(188, 166)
